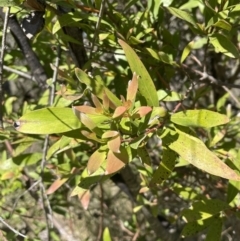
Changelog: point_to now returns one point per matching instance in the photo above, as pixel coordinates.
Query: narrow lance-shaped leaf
(195, 152)
(114, 101)
(132, 88)
(94, 84)
(233, 186)
(48, 121)
(85, 199)
(56, 185)
(95, 161)
(97, 103)
(182, 14)
(199, 118)
(223, 45)
(146, 86)
(186, 51)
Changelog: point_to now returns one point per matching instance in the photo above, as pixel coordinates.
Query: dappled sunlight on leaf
(195, 152)
(96, 160)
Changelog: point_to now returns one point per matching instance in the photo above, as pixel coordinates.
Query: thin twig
(49, 212)
(22, 194)
(97, 27)
(215, 81)
(18, 72)
(124, 229)
(32, 59)
(136, 235)
(194, 58)
(12, 229)
(205, 56)
(4, 33)
(55, 74)
(48, 209)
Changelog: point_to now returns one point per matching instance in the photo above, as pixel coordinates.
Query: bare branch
(1, 65)
(12, 229)
(32, 59)
(97, 27)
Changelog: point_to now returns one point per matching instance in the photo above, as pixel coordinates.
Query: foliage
(141, 101)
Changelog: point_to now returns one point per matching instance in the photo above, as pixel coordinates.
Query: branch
(78, 51)
(12, 229)
(1, 65)
(33, 62)
(216, 82)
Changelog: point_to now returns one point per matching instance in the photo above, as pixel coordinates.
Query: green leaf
(27, 159)
(113, 98)
(187, 50)
(195, 152)
(182, 14)
(66, 20)
(234, 186)
(145, 83)
(223, 24)
(88, 180)
(161, 56)
(48, 121)
(215, 230)
(232, 190)
(223, 45)
(137, 141)
(196, 44)
(10, 3)
(20, 161)
(106, 235)
(61, 143)
(164, 95)
(204, 214)
(186, 193)
(96, 160)
(191, 4)
(195, 227)
(95, 85)
(199, 118)
(165, 167)
(144, 155)
(204, 209)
